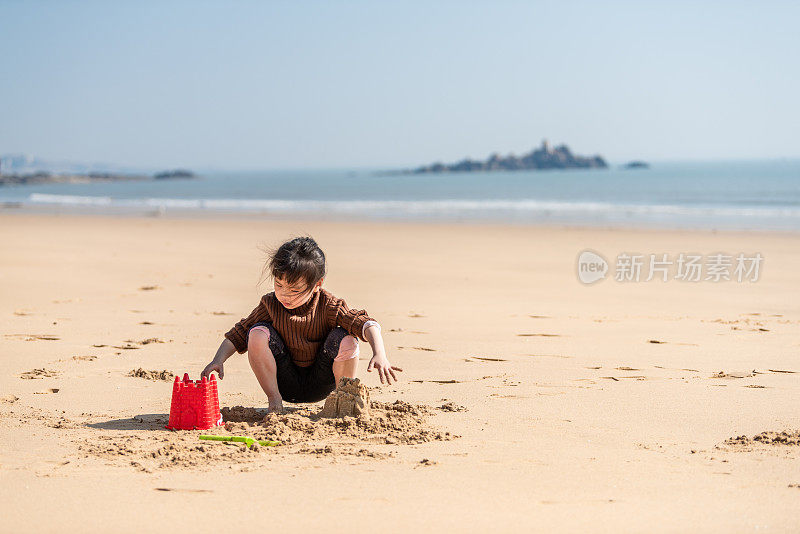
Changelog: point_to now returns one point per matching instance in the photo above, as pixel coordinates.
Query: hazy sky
(359, 84)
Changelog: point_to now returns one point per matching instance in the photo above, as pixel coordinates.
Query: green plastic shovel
(241, 439)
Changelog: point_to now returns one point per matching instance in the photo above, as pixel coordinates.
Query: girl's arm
(238, 334)
(379, 361)
(225, 351)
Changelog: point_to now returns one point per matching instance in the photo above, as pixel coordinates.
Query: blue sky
(238, 85)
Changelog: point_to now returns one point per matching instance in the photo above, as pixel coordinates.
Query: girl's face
(293, 295)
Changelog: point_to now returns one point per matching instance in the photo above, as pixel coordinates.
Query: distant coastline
(23, 169)
(44, 177)
(542, 158)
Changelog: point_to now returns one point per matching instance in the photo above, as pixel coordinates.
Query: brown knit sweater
(304, 328)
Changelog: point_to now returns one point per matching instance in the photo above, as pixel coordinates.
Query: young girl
(301, 339)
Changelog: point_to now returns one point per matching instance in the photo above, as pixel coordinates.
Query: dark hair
(299, 258)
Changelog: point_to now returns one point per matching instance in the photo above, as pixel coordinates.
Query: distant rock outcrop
(177, 173)
(542, 158)
(636, 165)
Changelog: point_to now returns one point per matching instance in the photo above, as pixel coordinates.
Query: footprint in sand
(34, 337)
(38, 373)
(185, 490)
(415, 315)
(88, 358)
(539, 335)
(634, 377)
(452, 407)
(473, 358)
(734, 374)
(784, 438)
(152, 375)
(47, 391)
(676, 369)
(127, 346)
(148, 288)
(146, 341)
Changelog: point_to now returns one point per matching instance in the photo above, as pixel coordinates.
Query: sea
(735, 195)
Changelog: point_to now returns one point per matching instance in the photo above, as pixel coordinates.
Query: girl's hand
(385, 369)
(213, 366)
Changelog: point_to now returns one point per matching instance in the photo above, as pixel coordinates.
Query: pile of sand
(350, 398)
(347, 414)
(388, 423)
(302, 431)
(375, 432)
(170, 451)
(242, 414)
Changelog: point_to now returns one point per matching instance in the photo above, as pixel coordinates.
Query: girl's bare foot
(275, 406)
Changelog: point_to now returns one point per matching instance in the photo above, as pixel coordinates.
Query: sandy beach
(530, 400)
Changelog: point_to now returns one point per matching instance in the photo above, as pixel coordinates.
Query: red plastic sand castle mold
(195, 404)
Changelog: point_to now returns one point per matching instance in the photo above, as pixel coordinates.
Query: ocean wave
(442, 207)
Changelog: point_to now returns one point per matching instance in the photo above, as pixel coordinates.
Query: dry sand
(528, 401)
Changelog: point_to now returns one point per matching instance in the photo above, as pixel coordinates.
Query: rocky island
(177, 173)
(542, 158)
